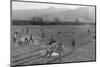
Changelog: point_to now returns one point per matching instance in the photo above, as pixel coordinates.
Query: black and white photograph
(52, 33)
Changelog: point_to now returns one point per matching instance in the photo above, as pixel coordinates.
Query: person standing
(15, 37)
(94, 37)
(22, 30)
(88, 31)
(73, 43)
(42, 35)
(27, 31)
(59, 32)
(20, 40)
(60, 50)
(31, 38)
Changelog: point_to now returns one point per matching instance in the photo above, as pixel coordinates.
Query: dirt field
(84, 49)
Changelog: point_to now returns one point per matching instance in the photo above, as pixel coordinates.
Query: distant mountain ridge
(82, 13)
(28, 14)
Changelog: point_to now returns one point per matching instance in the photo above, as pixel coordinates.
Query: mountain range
(64, 14)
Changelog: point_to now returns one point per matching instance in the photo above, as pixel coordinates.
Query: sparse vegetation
(56, 21)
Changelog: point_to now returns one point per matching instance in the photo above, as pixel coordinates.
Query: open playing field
(84, 49)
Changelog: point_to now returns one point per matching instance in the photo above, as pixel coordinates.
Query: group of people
(54, 48)
(25, 38)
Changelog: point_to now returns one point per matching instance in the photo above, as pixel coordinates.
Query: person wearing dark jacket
(73, 43)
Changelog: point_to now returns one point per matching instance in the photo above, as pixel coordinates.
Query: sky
(33, 5)
(29, 5)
